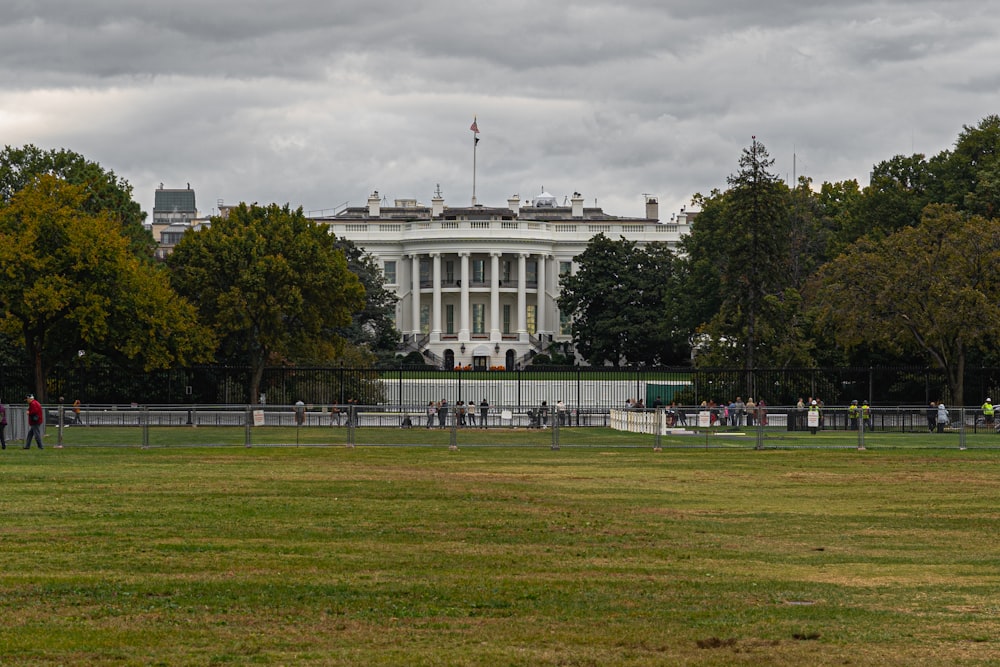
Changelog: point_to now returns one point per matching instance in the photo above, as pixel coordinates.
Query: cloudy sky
(317, 103)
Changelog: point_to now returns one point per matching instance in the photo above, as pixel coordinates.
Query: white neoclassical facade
(477, 286)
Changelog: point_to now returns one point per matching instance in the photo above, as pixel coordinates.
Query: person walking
(35, 418)
(931, 416)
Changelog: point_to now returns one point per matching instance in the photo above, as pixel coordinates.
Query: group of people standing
(737, 412)
(465, 413)
(862, 413)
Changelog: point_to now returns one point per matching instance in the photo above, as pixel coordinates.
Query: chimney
(514, 204)
(652, 208)
(577, 201)
(437, 205)
(374, 205)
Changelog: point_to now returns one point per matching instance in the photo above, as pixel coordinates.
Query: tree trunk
(255, 380)
(34, 345)
(956, 380)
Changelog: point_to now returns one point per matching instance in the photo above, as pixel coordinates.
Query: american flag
(474, 127)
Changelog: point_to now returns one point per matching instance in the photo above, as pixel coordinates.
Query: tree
(271, 283)
(968, 175)
(72, 283)
(104, 192)
(740, 262)
(632, 326)
(374, 326)
(928, 288)
(899, 190)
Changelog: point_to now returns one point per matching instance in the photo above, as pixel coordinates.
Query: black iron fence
(584, 388)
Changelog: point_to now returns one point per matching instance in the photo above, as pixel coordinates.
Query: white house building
(477, 286)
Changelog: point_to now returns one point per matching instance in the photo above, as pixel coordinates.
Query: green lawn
(590, 555)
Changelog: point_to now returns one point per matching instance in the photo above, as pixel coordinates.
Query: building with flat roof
(174, 211)
(478, 285)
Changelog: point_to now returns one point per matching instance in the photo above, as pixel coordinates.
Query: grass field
(590, 555)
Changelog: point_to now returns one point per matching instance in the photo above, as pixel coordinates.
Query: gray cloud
(317, 104)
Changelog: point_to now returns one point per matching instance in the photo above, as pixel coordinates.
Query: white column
(522, 297)
(415, 294)
(540, 307)
(463, 326)
(436, 298)
(495, 297)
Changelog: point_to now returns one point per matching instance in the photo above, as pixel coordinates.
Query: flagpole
(475, 145)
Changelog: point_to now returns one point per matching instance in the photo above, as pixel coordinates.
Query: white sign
(258, 417)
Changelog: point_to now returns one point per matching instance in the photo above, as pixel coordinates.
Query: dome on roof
(545, 199)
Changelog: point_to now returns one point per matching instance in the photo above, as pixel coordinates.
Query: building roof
(167, 201)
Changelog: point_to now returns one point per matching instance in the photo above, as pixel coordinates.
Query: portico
(479, 286)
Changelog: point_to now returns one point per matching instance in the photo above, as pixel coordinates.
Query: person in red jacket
(35, 418)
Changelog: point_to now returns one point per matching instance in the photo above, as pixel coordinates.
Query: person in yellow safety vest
(852, 415)
(814, 407)
(988, 413)
(866, 415)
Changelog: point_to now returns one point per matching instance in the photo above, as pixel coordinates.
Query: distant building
(174, 211)
(477, 286)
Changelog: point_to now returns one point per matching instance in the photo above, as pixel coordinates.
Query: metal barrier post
(145, 427)
(59, 440)
(861, 432)
(961, 428)
(350, 425)
(658, 424)
(759, 422)
(248, 418)
(555, 431)
(453, 434)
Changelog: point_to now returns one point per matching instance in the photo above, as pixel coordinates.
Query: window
(389, 268)
(506, 318)
(565, 324)
(425, 273)
(531, 273)
(479, 271)
(425, 318)
(478, 318)
(449, 273)
(449, 318)
(530, 316)
(505, 274)
(565, 268)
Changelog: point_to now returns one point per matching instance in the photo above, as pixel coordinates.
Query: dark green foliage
(372, 327)
(618, 300)
(273, 285)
